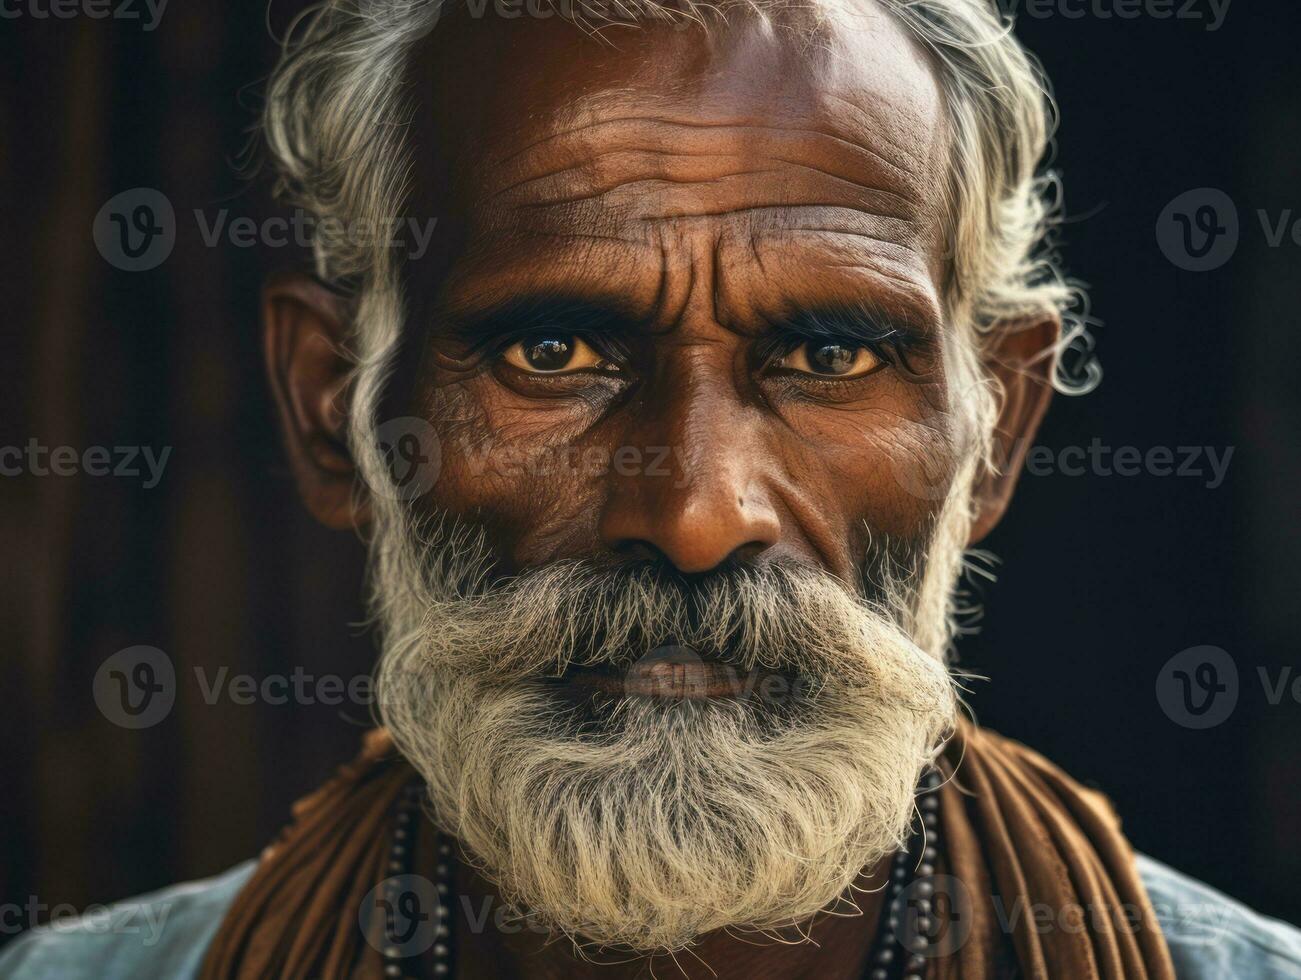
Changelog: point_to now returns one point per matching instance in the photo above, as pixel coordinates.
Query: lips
(669, 673)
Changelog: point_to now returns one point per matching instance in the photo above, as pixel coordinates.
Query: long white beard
(667, 819)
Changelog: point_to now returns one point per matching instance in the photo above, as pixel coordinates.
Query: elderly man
(735, 325)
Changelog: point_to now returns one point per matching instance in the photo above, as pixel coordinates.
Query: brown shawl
(1038, 872)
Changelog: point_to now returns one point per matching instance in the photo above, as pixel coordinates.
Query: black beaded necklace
(903, 936)
(899, 950)
(407, 960)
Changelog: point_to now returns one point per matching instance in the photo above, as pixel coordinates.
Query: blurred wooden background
(218, 566)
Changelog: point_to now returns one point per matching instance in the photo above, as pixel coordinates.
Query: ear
(304, 329)
(1023, 360)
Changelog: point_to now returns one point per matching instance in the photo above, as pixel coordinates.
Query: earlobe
(304, 332)
(1023, 360)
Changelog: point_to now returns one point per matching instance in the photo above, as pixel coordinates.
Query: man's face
(688, 338)
(664, 637)
(693, 311)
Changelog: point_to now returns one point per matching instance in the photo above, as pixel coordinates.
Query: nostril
(637, 549)
(747, 552)
(695, 530)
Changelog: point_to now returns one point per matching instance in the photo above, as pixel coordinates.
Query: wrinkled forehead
(504, 101)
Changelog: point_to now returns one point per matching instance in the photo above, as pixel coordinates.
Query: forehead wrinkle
(612, 190)
(623, 172)
(633, 153)
(856, 234)
(638, 131)
(672, 151)
(870, 249)
(603, 222)
(891, 275)
(592, 266)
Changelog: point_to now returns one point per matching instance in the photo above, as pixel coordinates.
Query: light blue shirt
(165, 935)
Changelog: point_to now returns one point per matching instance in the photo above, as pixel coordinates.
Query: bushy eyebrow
(533, 313)
(863, 321)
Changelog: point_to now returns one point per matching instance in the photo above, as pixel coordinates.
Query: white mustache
(778, 616)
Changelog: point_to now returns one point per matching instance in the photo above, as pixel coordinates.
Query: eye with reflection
(555, 353)
(830, 359)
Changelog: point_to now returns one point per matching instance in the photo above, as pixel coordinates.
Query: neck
(491, 945)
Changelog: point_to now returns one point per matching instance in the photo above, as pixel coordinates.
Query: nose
(706, 501)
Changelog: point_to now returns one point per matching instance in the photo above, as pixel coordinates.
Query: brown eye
(830, 359)
(553, 354)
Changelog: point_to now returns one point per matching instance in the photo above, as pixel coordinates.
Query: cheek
(530, 476)
(888, 464)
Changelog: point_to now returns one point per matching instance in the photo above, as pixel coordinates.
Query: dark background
(1103, 578)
